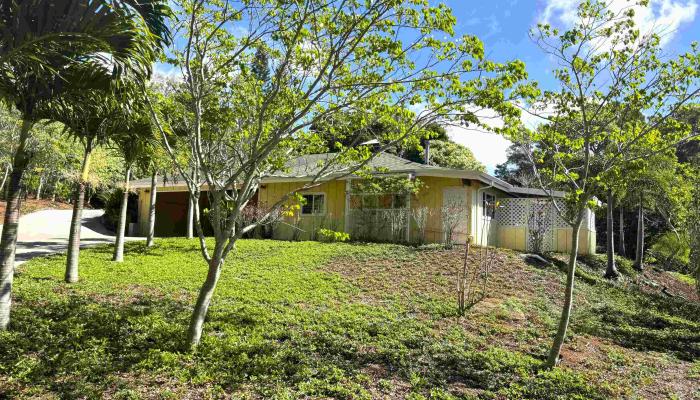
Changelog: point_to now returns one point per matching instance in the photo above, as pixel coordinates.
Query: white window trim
(484, 214)
(323, 210)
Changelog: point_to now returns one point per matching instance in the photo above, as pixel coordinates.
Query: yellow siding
(512, 238)
(143, 206)
(431, 196)
(306, 225)
(586, 244)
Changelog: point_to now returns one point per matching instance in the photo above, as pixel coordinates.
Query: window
(489, 205)
(314, 204)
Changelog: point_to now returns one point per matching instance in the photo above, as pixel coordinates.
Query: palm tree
(43, 43)
(94, 117)
(134, 143)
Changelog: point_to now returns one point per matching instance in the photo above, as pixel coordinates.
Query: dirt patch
(519, 313)
(32, 205)
(656, 281)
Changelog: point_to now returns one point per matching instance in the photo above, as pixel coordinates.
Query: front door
(455, 213)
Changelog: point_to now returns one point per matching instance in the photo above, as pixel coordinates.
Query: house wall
(431, 196)
(304, 227)
(557, 238)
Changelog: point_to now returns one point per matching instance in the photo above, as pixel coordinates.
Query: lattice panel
(540, 232)
(559, 222)
(512, 212)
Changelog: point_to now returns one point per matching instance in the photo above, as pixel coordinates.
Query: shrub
(671, 252)
(330, 236)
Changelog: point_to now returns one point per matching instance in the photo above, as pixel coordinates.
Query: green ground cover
(313, 320)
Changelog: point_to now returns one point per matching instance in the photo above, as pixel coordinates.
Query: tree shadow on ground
(72, 345)
(637, 319)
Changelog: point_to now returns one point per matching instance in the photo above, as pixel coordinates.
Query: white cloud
(165, 72)
(489, 148)
(661, 16)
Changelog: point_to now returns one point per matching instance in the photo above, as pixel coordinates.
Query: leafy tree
(608, 75)
(517, 169)
(453, 155)
(134, 138)
(693, 222)
(328, 58)
(689, 150)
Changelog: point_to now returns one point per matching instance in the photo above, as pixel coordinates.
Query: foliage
(287, 329)
(596, 126)
(282, 326)
(517, 169)
(671, 251)
(330, 236)
(248, 66)
(453, 155)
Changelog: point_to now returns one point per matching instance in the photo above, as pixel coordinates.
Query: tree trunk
(8, 243)
(38, 189)
(4, 178)
(152, 211)
(76, 220)
(621, 239)
(639, 257)
(121, 229)
(553, 357)
(199, 314)
(611, 270)
(190, 217)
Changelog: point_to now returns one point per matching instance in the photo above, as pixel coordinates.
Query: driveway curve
(46, 232)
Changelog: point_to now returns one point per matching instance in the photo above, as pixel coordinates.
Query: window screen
(314, 204)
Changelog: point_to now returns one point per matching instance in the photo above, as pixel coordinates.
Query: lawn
(312, 320)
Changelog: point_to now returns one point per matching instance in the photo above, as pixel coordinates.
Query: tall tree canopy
(609, 75)
(371, 60)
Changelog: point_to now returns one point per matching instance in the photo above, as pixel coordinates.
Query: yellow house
(454, 204)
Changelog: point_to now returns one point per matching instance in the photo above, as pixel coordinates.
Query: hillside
(312, 320)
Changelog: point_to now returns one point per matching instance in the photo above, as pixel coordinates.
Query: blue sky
(503, 25)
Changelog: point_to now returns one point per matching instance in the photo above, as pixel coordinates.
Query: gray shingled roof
(309, 165)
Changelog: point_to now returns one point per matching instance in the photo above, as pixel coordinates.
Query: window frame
(313, 195)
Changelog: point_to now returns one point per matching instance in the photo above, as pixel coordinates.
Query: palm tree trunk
(8, 243)
(553, 357)
(76, 220)
(621, 237)
(121, 229)
(152, 211)
(190, 217)
(38, 189)
(4, 178)
(206, 292)
(611, 270)
(639, 257)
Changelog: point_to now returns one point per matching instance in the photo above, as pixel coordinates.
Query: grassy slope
(291, 320)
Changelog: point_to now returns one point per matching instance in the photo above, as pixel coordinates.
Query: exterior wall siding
(431, 196)
(304, 227)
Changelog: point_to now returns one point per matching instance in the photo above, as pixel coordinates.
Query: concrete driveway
(46, 232)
